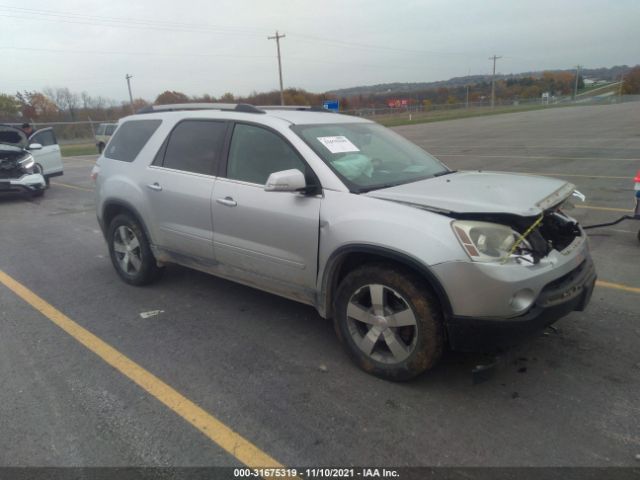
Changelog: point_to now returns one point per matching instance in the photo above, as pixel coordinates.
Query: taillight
(637, 179)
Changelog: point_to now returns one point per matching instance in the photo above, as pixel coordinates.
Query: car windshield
(367, 156)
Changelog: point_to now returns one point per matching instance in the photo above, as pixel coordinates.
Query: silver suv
(338, 212)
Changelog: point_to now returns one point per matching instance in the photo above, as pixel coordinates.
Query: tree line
(62, 105)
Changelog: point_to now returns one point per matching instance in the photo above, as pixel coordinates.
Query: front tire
(130, 252)
(389, 322)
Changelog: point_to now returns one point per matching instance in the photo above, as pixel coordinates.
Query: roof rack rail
(302, 108)
(175, 107)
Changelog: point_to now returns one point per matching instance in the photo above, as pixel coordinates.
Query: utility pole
(575, 88)
(466, 103)
(129, 77)
(493, 80)
(277, 39)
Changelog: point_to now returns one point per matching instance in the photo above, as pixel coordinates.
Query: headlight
(27, 162)
(486, 242)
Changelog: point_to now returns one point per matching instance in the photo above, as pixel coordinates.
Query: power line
(277, 39)
(302, 59)
(341, 43)
(163, 54)
(128, 22)
(135, 26)
(121, 22)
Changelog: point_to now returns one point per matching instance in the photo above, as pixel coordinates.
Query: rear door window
(130, 138)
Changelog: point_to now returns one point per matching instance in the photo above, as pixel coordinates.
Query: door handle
(227, 201)
(155, 186)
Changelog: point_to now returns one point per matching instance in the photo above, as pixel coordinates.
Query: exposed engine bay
(11, 166)
(553, 230)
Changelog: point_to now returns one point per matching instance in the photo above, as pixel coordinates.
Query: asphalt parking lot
(272, 370)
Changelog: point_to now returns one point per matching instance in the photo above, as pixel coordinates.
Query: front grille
(569, 286)
(11, 173)
(558, 282)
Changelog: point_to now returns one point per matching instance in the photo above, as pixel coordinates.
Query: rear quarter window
(130, 138)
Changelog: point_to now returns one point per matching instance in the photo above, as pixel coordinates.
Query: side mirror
(286, 181)
(35, 146)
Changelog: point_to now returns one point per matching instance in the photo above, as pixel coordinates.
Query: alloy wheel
(127, 250)
(382, 324)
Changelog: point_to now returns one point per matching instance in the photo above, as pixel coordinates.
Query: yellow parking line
(617, 286)
(605, 209)
(75, 187)
(239, 447)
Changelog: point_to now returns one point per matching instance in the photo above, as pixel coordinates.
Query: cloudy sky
(218, 46)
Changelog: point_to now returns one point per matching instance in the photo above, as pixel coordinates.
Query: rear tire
(130, 252)
(389, 321)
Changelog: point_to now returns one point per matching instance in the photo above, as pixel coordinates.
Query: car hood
(13, 136)
(481, 192)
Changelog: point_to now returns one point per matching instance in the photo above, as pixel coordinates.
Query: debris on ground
(482, 373)
(323, 368)
(151, 313)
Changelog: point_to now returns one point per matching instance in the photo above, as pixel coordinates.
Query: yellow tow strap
(523, 236)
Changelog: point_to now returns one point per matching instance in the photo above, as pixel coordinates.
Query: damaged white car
(19, 172)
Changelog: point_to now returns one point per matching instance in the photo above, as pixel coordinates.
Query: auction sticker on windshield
(339, 144)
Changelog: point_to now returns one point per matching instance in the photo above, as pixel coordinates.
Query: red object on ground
(637, 179)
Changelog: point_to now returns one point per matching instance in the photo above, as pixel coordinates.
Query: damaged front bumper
(495, 305)
(29, 183)
(571, 292)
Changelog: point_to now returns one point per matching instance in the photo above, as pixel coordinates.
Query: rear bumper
(572, 292)
(25, 184)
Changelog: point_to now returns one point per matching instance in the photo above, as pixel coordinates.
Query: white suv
(340, 213)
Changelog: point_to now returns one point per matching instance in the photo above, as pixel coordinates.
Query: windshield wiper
(377, 187)
(445, 172)
(402, 182)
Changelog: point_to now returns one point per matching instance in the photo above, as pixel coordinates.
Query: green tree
(631, 82)
(37, 106)
(9, 104)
